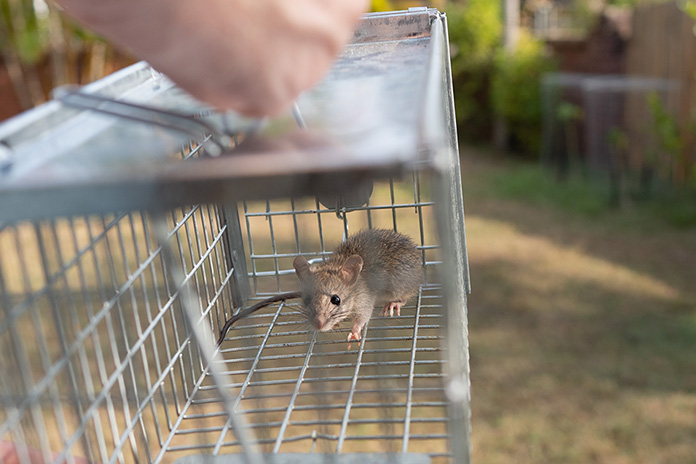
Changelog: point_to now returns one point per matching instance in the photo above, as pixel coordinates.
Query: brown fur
(372, 267)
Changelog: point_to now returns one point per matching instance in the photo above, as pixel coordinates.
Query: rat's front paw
(354, 335)
(390, 307)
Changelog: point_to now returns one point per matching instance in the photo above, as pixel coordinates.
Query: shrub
(475, 32)
(516, 92)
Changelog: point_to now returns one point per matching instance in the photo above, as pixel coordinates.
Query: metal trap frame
(134, 220)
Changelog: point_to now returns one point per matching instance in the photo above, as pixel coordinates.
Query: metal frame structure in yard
(134, 220)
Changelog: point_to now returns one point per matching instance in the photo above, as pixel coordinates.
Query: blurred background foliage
(475, 33)
(491, 81)
(40, 49)
(515, 92)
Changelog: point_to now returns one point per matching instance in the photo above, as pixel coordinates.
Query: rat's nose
(320, 322)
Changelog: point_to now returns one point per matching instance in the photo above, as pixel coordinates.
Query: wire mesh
(97, 361)
(105, 368)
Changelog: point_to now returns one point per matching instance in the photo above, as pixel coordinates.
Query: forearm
(127, 23)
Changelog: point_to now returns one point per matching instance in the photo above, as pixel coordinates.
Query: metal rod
(351, 394)
(194, 127)
(251, 371)
(291, 405)
(319, 210)
(204, 337)
(411, 376)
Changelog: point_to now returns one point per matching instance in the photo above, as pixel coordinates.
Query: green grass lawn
(582, 323)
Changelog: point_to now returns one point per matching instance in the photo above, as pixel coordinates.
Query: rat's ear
(351, 269)
(301, 267)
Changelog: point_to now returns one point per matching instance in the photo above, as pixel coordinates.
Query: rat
(374, 266)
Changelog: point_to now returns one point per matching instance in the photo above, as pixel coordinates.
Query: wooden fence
(663, 45)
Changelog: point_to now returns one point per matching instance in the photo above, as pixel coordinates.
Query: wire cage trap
(134, 221)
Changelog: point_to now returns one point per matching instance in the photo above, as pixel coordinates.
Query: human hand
(252, 56)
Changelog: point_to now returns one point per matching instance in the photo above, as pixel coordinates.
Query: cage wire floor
(304, 391)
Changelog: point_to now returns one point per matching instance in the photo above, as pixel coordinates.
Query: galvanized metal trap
(124, 247)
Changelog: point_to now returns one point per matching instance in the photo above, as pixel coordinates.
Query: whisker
(295, 312)
(305, 326)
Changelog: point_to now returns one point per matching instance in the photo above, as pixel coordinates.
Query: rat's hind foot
(390, 307)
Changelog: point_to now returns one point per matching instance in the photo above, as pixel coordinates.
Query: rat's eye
(335, 300)
(307, 300)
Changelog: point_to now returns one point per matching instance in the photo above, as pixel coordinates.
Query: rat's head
(327, 292)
